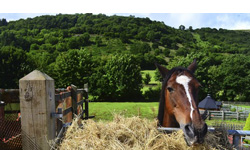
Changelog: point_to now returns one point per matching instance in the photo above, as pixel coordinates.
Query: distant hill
(47, 42)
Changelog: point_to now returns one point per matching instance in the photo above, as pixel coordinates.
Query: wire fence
(10, 132)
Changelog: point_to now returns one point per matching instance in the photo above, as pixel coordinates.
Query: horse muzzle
(192, 135)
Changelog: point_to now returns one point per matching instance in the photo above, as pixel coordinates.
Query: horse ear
(193, 66)
(162, 70)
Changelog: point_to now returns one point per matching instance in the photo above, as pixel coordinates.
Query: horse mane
(179, 70)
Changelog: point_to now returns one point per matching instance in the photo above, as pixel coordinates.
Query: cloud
(186, 19)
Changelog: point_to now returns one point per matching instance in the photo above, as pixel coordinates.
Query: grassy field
(153, 83)
(244, 106)
(105, 110)
(152, 75)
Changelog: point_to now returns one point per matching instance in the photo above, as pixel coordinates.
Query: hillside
(62, 44)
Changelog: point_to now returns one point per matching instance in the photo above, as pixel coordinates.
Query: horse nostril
(189, 130)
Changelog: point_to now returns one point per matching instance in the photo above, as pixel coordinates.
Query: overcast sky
(196, 20)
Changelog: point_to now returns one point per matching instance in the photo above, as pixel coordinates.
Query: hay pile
(125, 134)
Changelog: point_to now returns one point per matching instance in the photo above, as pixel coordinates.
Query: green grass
(12, 106)
(244, 106)
(153, 83)
(234, 121)
(106, 110)
(152, 75)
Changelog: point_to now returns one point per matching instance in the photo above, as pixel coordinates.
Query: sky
(196, 13)
(196, 20)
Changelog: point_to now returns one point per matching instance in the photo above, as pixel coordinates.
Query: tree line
(108, 52)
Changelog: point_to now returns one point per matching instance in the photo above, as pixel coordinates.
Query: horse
(179, 101)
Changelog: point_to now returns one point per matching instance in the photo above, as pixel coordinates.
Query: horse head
(179, 101)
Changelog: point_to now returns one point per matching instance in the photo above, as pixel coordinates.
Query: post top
(36, 75)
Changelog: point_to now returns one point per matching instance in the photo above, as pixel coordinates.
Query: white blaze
(184, 80)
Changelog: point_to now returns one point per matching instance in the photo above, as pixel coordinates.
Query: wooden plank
(80, 103)
(68, 110)
(68, 117)
(61, 97)
(37, 102)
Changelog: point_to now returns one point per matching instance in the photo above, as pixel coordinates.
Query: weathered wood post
(37, 102)
(74, 99)
(209, 115)
(238, 115)
(86, 88)
(223, 115)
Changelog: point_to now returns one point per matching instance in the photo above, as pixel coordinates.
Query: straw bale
(132, 133)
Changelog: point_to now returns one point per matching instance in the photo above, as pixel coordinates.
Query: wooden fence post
(238, 115)
(86, 88)
(223, 115)
(74, 99)
(37, 102)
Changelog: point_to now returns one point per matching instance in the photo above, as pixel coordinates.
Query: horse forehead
(183, 79)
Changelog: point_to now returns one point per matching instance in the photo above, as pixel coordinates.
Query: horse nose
(189, 134)
(202, 133)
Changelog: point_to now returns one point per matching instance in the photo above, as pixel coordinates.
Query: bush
(152, 94)
(118, 80)
(233, 109)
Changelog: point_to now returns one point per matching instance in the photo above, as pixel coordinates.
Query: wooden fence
(226, 115)
(46, 111)
(235, 103)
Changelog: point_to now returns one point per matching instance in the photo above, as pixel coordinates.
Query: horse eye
(170, 89)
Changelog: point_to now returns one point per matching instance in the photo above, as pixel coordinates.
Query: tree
(182, 27)
(140, 47)
(119, 80)
(124, 37)
(13, 66)
(72, 67)
(3, 22)
(232, 78)
(98, 41)
(191, 28)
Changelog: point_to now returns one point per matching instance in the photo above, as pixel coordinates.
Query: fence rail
(226, 115)
(236, 103)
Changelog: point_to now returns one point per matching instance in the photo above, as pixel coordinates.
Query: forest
(109, 53)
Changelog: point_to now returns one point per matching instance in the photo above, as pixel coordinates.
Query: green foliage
(152, 94)
(13, 65)
(71, 67)
(233, 109)
(119, 80)
(247, 125)
(232, 78)
(140, 48)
